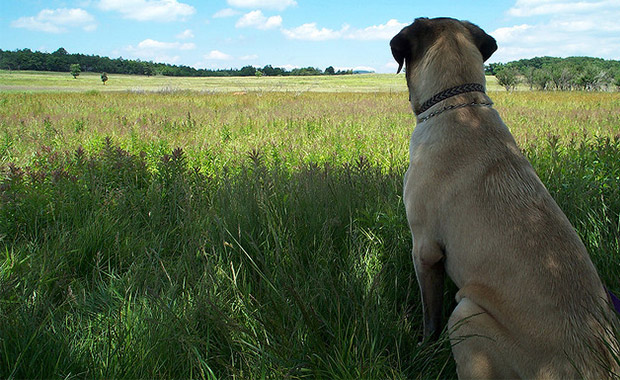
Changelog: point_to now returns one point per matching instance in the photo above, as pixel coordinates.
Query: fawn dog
(530, 303)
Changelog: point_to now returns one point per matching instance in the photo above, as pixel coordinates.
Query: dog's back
(517, 256)
(530, 302)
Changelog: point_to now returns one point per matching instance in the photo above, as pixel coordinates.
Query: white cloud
(377, 32)
(278, 5)
(288, 67)
(310, 32)
(560, 28)
(511, 33)
(526, 8)
(57, 21)
(158, 51)
(158, 45)
(149, 10)
(165, 58)
(226, 12)
(256, 19)
(217, 55)
(185, 35)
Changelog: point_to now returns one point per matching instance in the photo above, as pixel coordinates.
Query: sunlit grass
(33, 81)
(216, 129)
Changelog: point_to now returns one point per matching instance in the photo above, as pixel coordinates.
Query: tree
(530, 76)
(247, 71)
(270, 71)
(306, 71)
(507, 78)
(148, 70)
(544, 73)
(541, 78)
(61, 51)
(491, 68)
(258, 73)
(344, 72)
(562, 77)
(104, 77)
(75, 70)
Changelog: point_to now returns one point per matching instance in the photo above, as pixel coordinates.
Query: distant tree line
(62, 61)
(563, 74)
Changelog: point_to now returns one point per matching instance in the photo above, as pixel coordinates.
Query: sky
(345, 34)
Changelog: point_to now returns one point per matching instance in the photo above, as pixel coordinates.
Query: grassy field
(46, 81)
(244, 228)
(33, 81)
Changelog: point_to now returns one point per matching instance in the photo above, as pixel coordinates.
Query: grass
(182, 234)
(31, 81)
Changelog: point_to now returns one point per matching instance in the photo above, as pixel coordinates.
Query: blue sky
(346, 34)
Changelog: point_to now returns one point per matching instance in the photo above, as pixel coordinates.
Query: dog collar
(453, 106)
(462, 89)
(457, 90)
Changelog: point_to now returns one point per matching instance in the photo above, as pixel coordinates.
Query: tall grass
(213, 130)
(126, 272)
(271, 244)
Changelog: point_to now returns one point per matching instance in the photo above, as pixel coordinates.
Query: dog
(530, 303)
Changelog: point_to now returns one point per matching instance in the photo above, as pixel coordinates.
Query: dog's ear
(401, 48)
(485, 43)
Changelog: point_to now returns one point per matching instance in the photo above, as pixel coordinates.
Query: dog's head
(441, 50)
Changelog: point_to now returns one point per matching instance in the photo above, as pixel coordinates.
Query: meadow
(56, 81)
(245, 228)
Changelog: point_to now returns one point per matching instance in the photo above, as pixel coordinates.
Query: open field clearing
(47, 81)
(35, 81)
(230, 228)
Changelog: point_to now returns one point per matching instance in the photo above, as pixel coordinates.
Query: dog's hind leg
(430, 271)
(479, 347)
